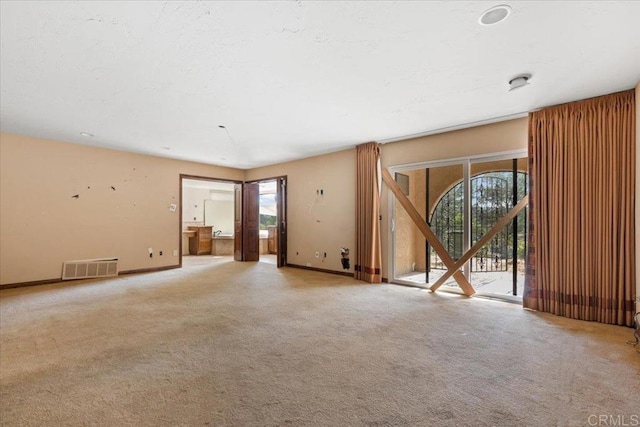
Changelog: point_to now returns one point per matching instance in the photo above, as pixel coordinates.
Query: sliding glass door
(461, 200)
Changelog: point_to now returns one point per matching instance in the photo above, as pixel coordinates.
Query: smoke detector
(519, 81)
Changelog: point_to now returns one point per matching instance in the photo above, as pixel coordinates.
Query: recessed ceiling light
(519, 81)
(166, 148)
(495, 14)
(87, 134)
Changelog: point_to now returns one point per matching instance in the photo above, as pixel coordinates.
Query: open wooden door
(282, 221)
(251, 222)
(237, 224)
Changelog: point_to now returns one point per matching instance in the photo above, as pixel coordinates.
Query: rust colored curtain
(581, 261)
(368, 247)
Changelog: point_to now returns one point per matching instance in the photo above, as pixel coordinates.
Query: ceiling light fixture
(519, 81)
(86, 134)
(495, 14)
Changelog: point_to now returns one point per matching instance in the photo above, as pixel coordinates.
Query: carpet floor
(246, 344)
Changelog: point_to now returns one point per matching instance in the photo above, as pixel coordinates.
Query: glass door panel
(409, 242)
(438, 191)
(446, 218)
(496, 186)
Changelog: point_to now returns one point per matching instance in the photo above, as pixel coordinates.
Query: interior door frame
(282, 221)
(184, 176)
(238, 218)
(282, 215)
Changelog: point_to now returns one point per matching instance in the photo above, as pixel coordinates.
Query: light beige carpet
(245, 344)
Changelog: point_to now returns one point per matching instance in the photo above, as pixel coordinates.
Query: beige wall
(493, 138)
(318, 223)
(42, 225)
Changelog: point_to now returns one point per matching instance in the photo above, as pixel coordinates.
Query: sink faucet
(217, 233)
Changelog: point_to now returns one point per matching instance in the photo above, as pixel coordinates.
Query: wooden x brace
(453, 267)
(483, 241)
(427, 232)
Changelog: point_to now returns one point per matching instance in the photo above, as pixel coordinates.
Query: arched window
(491, 199)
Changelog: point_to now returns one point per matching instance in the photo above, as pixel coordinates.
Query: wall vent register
(89, 268)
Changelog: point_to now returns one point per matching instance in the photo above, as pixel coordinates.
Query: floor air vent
(88, 268)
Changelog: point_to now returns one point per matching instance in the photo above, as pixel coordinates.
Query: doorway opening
(264, 222)
(244, 221)
(206, 217)
(462, 199)
(269, 221)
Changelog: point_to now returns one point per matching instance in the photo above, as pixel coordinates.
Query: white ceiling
(291, 79)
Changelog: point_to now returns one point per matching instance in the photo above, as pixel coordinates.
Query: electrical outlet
(175, 252)
(317, 254)
(160, 253)
(308, 264)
